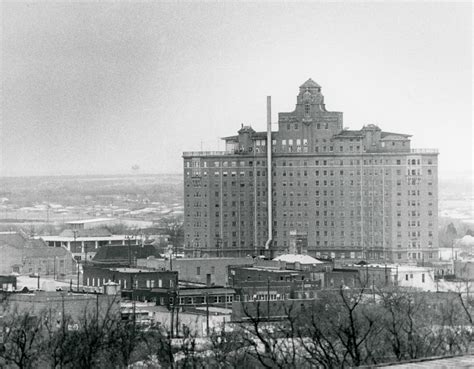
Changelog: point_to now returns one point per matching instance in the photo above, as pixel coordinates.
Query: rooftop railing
(207, 153)
(424, 151)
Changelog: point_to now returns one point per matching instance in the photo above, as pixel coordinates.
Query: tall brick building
(334, 192)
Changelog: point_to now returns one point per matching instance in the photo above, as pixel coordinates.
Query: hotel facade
(313, 187)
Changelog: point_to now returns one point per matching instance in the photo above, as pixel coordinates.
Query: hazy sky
(95, 87)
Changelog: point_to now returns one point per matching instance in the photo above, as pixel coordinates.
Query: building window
(307, 109)
(198, 270)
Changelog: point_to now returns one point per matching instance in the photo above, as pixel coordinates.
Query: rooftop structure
(298, 258)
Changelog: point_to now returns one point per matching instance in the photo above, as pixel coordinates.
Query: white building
(82, 242)
(416, 277)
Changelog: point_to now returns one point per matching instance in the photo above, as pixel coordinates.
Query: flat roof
(201, 291)
(388, 266)
(89, 220)
(83, 238)
(270, 269)
(138, 270)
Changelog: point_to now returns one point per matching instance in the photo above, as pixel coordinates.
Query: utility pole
(396, 276)
(77, 266)
(62, 315)
(85, 251)
(134, 308)
(171, 259)
(74, 232)
(207, 314)
(268, 298)
(177, 310)
(129, 252)
(97, 309)
(172, 316)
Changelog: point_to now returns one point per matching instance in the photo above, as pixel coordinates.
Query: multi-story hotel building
(331, 191)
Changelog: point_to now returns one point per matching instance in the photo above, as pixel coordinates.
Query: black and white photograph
(236, 184)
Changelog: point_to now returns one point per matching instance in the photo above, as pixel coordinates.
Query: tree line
(342, 328)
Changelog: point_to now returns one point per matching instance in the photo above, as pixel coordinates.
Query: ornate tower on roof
(310, 117)
(310, 95)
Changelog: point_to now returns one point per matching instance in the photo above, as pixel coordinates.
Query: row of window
(296, 125)
(149, 283)
(250, 164)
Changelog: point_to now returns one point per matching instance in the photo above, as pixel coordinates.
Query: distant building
(91, 223)
(449, 253)
(157, 236)
(313, 187)
(82, 242)
(22, 255)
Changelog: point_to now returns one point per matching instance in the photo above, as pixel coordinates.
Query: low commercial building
(422, 278)
(270, 310)
(184, 298)
(273, 283)
(129, 279)
(208, 271)
(195, 322)
(383, 275)
(59, 304)
(337, 278)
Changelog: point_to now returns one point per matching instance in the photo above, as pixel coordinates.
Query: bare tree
(22, 337)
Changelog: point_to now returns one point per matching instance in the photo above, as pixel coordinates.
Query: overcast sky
(95, 87)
